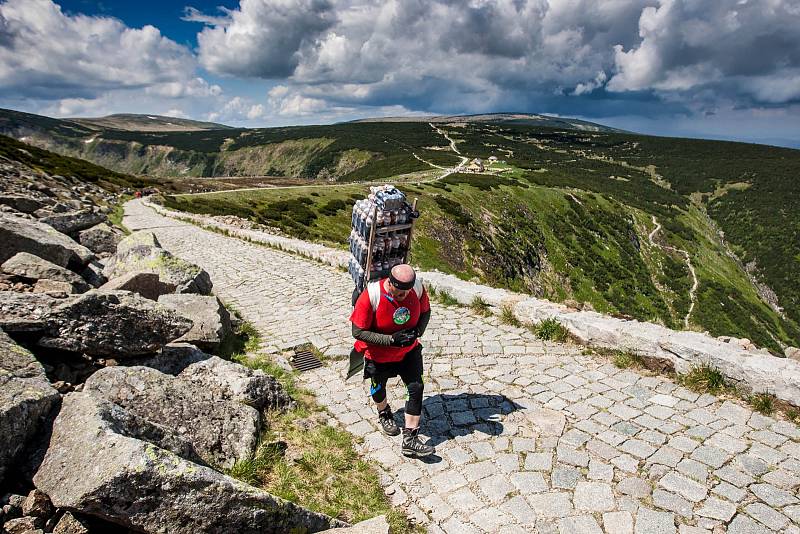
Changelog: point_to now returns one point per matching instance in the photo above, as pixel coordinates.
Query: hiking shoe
(386, 420)
(413, 447)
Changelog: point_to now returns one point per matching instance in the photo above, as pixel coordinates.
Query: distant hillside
(147, 123)
(55, 164)
(531, 119)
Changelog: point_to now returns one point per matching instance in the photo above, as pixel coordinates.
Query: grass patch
(762, 402)
(624, 360)
(117, 213)
(304, 460)
(243, 339)
(446, 298)
(551, 330)
(480, 306)
(507, 316)
(703, 378)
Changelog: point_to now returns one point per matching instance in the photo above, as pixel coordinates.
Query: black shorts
(409, 369)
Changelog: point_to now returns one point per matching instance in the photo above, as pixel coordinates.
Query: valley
(686, 233)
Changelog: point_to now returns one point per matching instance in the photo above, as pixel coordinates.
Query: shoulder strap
(374, 290)
(418, 287)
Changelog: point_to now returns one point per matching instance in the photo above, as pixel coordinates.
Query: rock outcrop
(18, 234)
(141, 251)
(26, 265)
(100, 239)
(26, 399)
(114, 324)
(74, 221)
(220, 430)
(212, 322)
(100, 462)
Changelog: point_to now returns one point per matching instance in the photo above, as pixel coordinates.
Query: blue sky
(726, 69)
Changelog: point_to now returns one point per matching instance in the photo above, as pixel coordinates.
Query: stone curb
(754, 370)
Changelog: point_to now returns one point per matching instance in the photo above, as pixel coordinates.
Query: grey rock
(74, 221)
(26, 399)
(93, 274)
(24, 235)
(27, 265)
(98, 464)
(146, 284)
(220, 429)
(140, 252)
(21, 203)
(100, 238)
(26, 312)
(212, 322)
(238, 383)
(114, 324)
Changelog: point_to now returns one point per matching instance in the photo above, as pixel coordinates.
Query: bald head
(403, 273)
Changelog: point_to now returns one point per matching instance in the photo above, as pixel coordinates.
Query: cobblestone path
(531, 436)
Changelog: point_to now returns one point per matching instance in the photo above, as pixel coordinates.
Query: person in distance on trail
(388, 318)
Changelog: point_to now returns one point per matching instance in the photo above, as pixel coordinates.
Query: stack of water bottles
(384, 207)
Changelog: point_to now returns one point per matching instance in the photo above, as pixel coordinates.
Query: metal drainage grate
(304, 360)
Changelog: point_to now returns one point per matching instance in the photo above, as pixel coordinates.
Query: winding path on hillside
(531, 436)
(687, 259)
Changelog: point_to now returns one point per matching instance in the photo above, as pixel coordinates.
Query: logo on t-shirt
(401, 315)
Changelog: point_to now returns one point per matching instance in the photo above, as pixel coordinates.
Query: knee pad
(414, 403)
(378, 391)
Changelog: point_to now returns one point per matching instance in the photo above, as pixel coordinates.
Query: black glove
(404, 338)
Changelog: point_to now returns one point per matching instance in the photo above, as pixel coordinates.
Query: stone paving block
(529, 482)
(773, 496)
(673, 503)
(593, 497)
(766, 515)
(580, 523)
(464, 500)
(683, 486)
(652, 522)
(552, 504)
(539, 461)
(495, 487)
(520, 510)
(618, 522)
(711, 456)
(717, 509)
(742, 524)
(565, 477)
(693, 469)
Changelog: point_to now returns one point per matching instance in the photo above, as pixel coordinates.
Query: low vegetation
(551, 330)
(507, 316)
(762, 402)
(303, 459)
(703, 378)
(480, 306)
(625, 360)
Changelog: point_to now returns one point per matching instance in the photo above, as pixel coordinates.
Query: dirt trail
(687, 259)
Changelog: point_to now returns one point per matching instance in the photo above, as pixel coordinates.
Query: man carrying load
(388, 318)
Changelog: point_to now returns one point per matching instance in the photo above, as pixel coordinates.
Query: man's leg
(412, 378)
(377, 389)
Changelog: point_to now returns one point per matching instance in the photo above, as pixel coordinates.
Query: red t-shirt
(385, 320)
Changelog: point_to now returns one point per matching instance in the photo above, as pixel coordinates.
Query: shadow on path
(447, 416)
